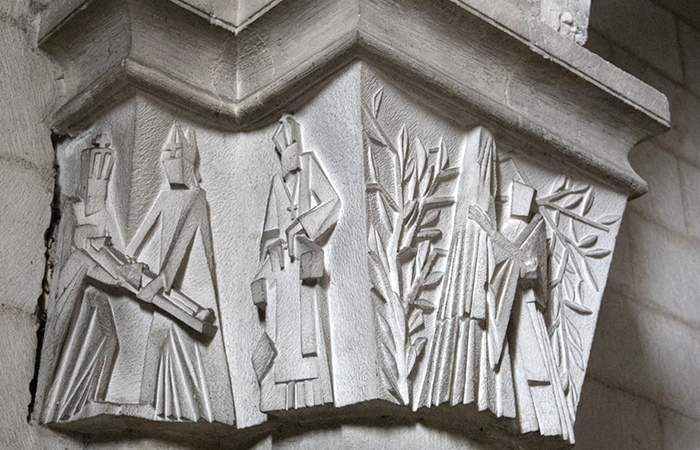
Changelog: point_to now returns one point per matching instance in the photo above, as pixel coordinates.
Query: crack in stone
(49, 239)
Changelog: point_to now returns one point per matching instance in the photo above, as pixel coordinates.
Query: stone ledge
(248, 76)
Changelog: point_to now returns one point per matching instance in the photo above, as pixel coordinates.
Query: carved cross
(101, 141)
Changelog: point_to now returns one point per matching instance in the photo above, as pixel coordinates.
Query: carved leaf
(577, 358)
(415, 352)
(429, 233)
(569, 288)
(377, 275)
(431, 218)
(448, 174)
(421, 158)
(408, 209)
(410, 170)
(377, 102)
(589, 202)
(415, 320)
(609, 220)
(426, 183)
(406, 254)
(598, 253)
(385, 329)
(375, 139)
(404, 143)
(559, 183)
(578, 188)
(425, 305)
(578, 308)
(574, 335)
(573, 202)
(371, 177)
(588, 241)
(433, 279)
(444, 157)
(390, 373)
(385, 213)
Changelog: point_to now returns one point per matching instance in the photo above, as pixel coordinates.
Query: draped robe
(185, 376)
(291, 359)
(469, 359)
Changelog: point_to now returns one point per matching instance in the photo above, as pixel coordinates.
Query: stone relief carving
(127, 330)
(515, 272)
(403, 211)
(291, 357)
(476, 279)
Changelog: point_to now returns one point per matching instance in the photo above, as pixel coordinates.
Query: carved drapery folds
(93, 360)
(388, 237)
(502, 269)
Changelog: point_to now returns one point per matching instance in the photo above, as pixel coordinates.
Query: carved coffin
(306, 215)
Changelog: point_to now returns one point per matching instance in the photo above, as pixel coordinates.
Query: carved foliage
(405, 236)
(403, 216)
(565, 207)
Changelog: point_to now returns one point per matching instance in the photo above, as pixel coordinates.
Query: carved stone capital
(331, 212)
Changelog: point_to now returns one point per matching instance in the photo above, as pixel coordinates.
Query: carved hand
(275, 250)
(529, 269)
(480, 217)
(151, 289)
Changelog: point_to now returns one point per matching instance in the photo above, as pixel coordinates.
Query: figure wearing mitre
(185, 374)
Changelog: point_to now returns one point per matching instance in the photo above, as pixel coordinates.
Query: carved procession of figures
(475, 279)
(131, 328)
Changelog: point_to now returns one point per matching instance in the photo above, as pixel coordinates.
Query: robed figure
(291, 357)
(125, 333)
(185, 373)
(82, 342)
(491, 344)
(469, 361)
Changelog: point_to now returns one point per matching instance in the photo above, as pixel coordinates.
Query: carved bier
(419, 241)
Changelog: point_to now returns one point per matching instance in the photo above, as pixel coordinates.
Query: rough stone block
(612, 419)
(14, 11)
(665, 269)
(18, 344)
(690, 48)
(29, 92)
(663, 204)
(639, 350)
(25, 212)
(690, 182)
(644, 28)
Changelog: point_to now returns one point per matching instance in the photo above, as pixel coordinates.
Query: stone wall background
(643, 385)
(642, 389)
(29, 90)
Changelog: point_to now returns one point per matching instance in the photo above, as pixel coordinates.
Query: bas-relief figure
(291, 357)
(491, 341)
(503, 335)
(126, 329)
(476, 277)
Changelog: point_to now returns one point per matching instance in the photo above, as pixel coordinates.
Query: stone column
(356, 223)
